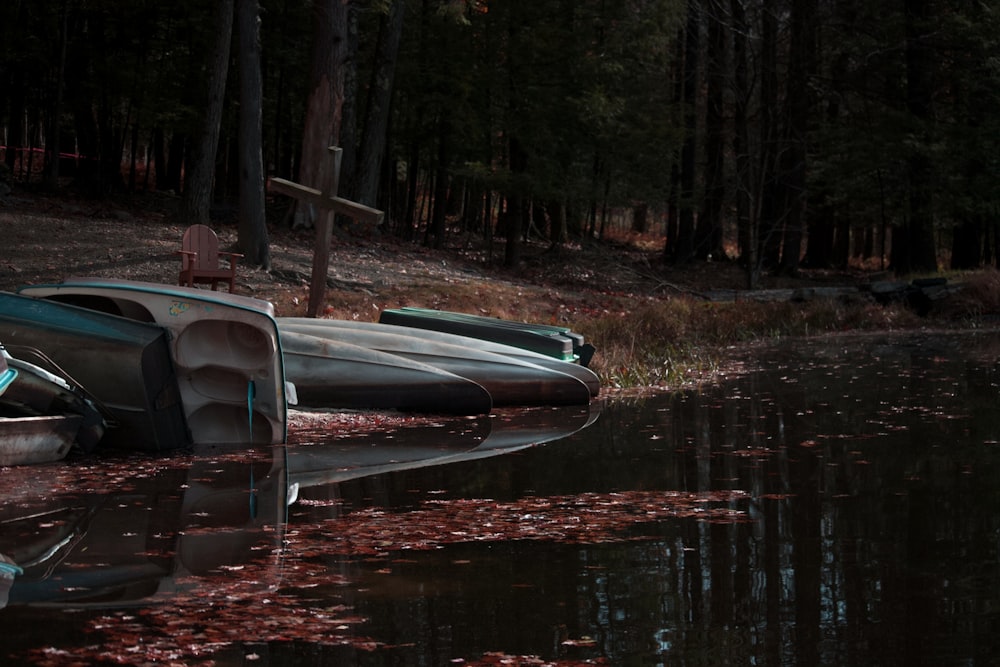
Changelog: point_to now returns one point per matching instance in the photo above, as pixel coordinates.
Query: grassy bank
(671, 341)
(680, 340)
(649, 320)
(677, 340)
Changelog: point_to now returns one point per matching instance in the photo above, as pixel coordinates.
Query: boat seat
(200, 259)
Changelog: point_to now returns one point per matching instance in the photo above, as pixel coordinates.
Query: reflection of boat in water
(175, 531)
(420, 447)
(225, 348)
(150, 540)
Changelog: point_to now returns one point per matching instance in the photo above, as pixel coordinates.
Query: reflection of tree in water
(838, 508)
(870, 476)
(872, 479)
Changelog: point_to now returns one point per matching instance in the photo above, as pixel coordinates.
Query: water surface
(836, 503)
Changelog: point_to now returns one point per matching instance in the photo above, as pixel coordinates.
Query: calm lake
(837, 503)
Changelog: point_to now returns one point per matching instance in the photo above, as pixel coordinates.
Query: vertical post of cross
(324, 234)
(327, 204)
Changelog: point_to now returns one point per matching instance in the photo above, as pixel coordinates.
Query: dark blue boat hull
(123, 364)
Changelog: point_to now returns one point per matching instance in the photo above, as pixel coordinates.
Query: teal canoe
(224, 346)
(123, 365)
(553, 341)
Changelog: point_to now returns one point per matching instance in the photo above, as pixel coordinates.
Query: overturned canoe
(516, 394)
(27, 440)
(225, 348)
(330, 374)
(124, 365)
(554, 341)
(41, 415)
(509, 381)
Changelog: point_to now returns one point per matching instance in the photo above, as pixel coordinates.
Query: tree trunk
(640, 218)
(708, 233)
(684, 246)
(745, 223)
(16, 109)
(828, 242)
(439, 203)
(802, 58)
(967, 243)
(326, 98)
(197, 197)
(50, 177)
(170, 178)
(557, 214)
(379, 96)
(349, 111)
(253, 238)
(671, 232)
(917, 251)
(769, 225)
(515, 213)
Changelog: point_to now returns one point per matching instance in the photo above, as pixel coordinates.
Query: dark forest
(780, 133)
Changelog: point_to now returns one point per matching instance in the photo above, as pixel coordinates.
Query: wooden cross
(327, 203)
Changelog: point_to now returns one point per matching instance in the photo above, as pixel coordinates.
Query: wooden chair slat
(200, 257)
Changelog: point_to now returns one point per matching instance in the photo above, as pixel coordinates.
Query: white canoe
(331, 374)
(584, 375)
(510, 380)
(225, 349)
(27, 440)
(41, 415)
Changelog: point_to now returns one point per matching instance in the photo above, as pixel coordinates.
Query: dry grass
(648, 320)
(670, 342)
(977, 302)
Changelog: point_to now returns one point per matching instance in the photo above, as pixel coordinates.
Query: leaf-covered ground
(48, 239)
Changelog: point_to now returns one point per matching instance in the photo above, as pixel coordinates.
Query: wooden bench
(200, 259)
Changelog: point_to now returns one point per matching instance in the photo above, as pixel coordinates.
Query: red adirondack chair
(200, 259)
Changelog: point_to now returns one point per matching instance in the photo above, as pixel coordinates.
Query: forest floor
(46, 239)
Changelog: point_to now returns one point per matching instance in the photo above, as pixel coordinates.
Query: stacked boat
(550, 340)
(347, 364)
(168, 367)
(41, 415)
(224, 350)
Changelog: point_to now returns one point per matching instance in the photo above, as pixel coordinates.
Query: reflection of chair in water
(200, 259)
